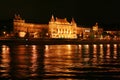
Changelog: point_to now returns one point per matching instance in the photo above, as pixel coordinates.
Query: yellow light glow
(115, 45)
(101, 45)
(101, 51)
(108, 45)
(108, 51)
(22, 34)
(69, 46)
(4, 32)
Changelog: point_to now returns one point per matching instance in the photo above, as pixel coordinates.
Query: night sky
(85, 12)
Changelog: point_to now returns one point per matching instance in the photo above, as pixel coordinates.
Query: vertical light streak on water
(20, 62)
(101, 53)
(79, 56)
(86, 55)
(108, 51)
(58, 58)
(5, 61)
(34, 56)
(95, 54)
(62, 62)
(115, 51)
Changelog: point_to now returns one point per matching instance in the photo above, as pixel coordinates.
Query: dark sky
(84, 11)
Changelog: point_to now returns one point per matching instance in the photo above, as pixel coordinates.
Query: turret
(95, 27)
(73, 21)
(96, 24)
(52, 19)
(17, 17)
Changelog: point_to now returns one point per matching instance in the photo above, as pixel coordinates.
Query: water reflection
(58, 59)
(63, 60)
(108, 51)
(59, 62)
(101, 51)
(115, 51)
(5, 61)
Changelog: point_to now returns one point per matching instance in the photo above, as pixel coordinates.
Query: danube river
(60, 62)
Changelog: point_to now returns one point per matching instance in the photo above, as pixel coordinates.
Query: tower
(95, 27)
(18, 23)
(52, 19)
(73, 22)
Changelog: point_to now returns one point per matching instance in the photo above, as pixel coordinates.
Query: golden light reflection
(34, 57)
(85, 53)
(115, 51)
(94, 50)
(5, 61)
(78, 56)
(108, 51)
(86, 48)
(46, 47)
(94, 54)
(22, 49)
(101, 51)
(80, 49)
(58, 58)
(65, 79)
(5, 49)
(69, 46)
(22, 60)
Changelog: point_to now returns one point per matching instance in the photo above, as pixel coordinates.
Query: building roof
(61, 20)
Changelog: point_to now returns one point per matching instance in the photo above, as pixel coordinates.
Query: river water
(60, 62)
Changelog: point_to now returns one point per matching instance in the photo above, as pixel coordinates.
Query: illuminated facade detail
(34, 30)
(115, 35)
(79, 32)
(86, 33)
(83, 33)
(95, 27)
(90, 33)
(61, 28)
(97, 32)
(57, 28)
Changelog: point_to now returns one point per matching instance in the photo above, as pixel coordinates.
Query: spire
(95, 27)
(52, 19)
(96, 24)
(73, 21)
(17, 17)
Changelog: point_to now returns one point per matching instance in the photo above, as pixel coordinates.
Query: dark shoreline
(56, 41)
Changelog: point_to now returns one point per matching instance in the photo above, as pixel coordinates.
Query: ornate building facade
(57, 28)
(22, 28)
(61, 28)
(90, 33)
(97, 32)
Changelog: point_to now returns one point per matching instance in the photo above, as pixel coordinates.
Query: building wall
(61, 28)
(57, 28)
(33, 29)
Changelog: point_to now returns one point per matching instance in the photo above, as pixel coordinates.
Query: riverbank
(56, 41)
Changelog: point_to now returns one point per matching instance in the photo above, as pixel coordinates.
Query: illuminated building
(61, 28)
(95, 27)
(86, 33)
(83, 33)
(115, 35)
(90, 33)
(22, 28)
(97, 32)
(57, 28)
